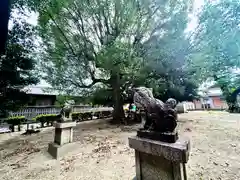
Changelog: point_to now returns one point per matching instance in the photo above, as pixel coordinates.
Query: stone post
(63, 139)
(156, 160)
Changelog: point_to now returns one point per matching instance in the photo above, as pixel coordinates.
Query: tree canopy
(102, 48)
(16, 66)
(109, 46)
(216, 45)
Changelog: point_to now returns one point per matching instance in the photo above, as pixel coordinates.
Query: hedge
(83, 116)
(43, 118)
(16, 120)
(80, 116)
(106, 113)
(46, 118)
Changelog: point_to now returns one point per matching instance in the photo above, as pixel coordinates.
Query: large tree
(105, 44)
(216, 52)
(16, 66)
(167, 57)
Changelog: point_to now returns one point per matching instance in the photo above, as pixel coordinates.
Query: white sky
(196, 8)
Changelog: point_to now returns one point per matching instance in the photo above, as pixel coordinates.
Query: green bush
(46, 118)
(98, 114)
(103, 114)
(86, 116)
(77, 116)
(81, 116)
(16, 120)
(106, 113)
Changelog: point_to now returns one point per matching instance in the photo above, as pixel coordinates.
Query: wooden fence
(30, 112)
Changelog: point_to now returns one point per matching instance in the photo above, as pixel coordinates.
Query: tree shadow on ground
(84, 132)
(21, 144)
(85, 129)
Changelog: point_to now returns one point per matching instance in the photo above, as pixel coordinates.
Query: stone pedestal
(156, 160)
(62, 140)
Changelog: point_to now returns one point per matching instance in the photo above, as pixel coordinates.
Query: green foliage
(216, 45)
(83, 116)
(46, 118)
(16, 120)
(101, 96)
(229, 84)
(76, 116)
(43, 118)
(80, 116)
(60, 101)
(16, 67)
(108, 46)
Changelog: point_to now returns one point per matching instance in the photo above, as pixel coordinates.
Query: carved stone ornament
(161, 118)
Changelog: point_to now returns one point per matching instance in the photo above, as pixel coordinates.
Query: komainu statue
(66, 112)
(161, 118)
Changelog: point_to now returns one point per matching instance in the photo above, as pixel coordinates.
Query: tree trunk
(12, 128)
(118, 112)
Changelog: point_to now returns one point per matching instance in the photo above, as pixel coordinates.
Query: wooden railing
(32, 111)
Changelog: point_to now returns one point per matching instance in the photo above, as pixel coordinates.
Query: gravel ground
(101, 151)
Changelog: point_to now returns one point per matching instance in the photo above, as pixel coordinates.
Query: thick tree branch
(63, 34)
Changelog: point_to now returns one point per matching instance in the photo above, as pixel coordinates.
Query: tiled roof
(39, 90)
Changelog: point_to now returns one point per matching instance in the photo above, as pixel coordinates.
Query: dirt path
(102, 152)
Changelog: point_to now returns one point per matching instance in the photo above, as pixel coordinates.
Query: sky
(32, 19)
(196, 8)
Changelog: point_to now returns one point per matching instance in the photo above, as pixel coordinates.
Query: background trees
(216, 46)
(109, 46)
(102, 48)
(16, 65)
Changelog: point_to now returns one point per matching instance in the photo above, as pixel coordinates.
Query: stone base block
(57, 151)
(65, 124)
(64, 132)
(160, 160)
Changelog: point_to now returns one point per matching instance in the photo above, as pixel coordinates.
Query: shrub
(81, 116)
(77, 116)
(97, 114)
(17, 120)
(106, 113)
(86, 116)
(46, 118)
